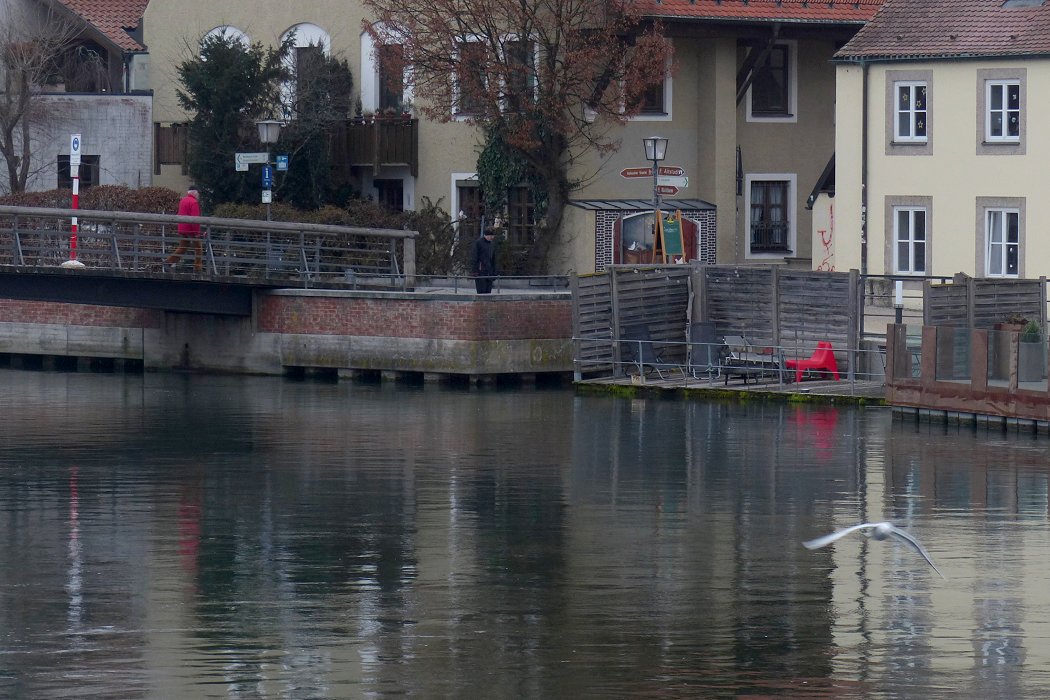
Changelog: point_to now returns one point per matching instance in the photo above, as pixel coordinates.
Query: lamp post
(269, 132)
(655, 150)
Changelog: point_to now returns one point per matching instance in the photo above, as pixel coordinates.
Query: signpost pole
(74, 172)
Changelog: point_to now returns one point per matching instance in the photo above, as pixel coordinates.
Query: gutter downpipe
(864, 171)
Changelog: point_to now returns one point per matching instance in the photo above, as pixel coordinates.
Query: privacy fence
(772, 306)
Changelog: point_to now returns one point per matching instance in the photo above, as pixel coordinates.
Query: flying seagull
(879, 531)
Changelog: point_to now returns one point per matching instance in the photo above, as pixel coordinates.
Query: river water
(173, 536)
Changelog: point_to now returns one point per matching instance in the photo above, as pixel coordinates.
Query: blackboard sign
(672, 238)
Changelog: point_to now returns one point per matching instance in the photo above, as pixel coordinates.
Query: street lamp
(269, 132)
(655, 150)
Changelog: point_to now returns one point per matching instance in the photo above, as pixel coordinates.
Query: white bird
(879, 531)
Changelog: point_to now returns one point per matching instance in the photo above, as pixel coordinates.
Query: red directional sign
(666, 170)
(636, 172)
(667, 189)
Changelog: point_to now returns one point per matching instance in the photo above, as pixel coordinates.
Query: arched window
(309, 46)
(227, 32)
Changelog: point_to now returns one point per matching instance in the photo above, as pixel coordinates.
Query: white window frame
(456, 114)
(999, 249)
(455, 179)
(306, 34)
(535, 66)
(793, 80)
(908, 267)
(792, 211)
(228, 31)
(370, 86)
(913, 87)
(1003, 84)
(668, 101)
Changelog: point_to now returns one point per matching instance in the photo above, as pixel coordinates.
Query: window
(390, 193)
(89, 172)
(1002, 122)
(470, 78)
(772, 93)
(521, 215)
(769, 221)
(521, 74)
(1003, 247)
(911, 112)
(653, 100)
(1003, 119)
(471, 210)
(391, 76)
(910, 238)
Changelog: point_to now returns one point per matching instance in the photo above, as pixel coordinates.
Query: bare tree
(33, 41)
(547, 79)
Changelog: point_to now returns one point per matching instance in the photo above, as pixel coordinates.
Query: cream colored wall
(848, 129)
(173, 29)
(954, 176)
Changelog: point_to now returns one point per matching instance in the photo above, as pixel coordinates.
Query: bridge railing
(309, 254)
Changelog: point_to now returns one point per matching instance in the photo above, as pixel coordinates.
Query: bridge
(121, 259)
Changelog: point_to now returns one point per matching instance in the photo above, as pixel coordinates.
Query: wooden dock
(686, 386)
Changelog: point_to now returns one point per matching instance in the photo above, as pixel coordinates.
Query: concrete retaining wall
(401, 332)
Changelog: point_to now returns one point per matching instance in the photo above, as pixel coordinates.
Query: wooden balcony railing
(378, 142)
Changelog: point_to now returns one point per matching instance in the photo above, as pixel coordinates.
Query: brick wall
(441, 319)
(604, 221)
(17, 311)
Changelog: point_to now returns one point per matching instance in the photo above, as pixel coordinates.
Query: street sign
(667, 189)
(74, 154)
(267, 177)
(267, 196)
(242, 160)
(636, 172)
(672, 181)
(282, 162)
(668, 170)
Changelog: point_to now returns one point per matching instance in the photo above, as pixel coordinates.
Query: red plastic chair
(822, 360)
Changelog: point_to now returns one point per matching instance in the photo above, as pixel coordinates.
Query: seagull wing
(896, 531)
(828, 539)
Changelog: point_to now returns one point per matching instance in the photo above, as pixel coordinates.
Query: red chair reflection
(822, 360)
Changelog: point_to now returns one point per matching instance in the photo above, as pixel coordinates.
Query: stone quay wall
(424, 332)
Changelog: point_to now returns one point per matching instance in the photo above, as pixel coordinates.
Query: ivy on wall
(499, 169)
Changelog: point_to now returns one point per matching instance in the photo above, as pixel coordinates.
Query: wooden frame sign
(669, 237)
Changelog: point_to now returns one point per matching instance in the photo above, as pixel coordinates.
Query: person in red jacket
(189, 234)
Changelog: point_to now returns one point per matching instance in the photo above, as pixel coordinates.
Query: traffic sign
(74, 154)
(282, 162)
(668, 170)
(636, 172)
(267, 196)
(673, 181)
(242, 160)
(267, 177)
(667, 189)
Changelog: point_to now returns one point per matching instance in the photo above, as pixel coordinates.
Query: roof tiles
(951, 28)
(114, 18)
(855, 11)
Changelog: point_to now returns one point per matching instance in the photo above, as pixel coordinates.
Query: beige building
(748, 110)
(938, 142)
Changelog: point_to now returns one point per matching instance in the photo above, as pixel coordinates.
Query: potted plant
(1031, 355)
(406, 109)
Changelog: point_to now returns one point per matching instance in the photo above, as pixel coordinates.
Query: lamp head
(269, 130)
(655, 147)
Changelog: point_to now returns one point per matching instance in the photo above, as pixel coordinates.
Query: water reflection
(187, 537)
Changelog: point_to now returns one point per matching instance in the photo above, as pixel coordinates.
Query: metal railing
(302, 253)
(691, 362)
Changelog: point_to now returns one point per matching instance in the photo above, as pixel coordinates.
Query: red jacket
(188, 206)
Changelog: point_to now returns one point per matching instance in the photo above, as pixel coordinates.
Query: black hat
(489, 232)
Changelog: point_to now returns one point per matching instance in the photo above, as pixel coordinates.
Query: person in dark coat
(483, 261)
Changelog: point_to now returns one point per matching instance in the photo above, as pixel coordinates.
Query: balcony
(377, 142)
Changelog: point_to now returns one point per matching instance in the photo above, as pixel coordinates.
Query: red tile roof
(951, 29)
(111, 17)
(824, 12)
